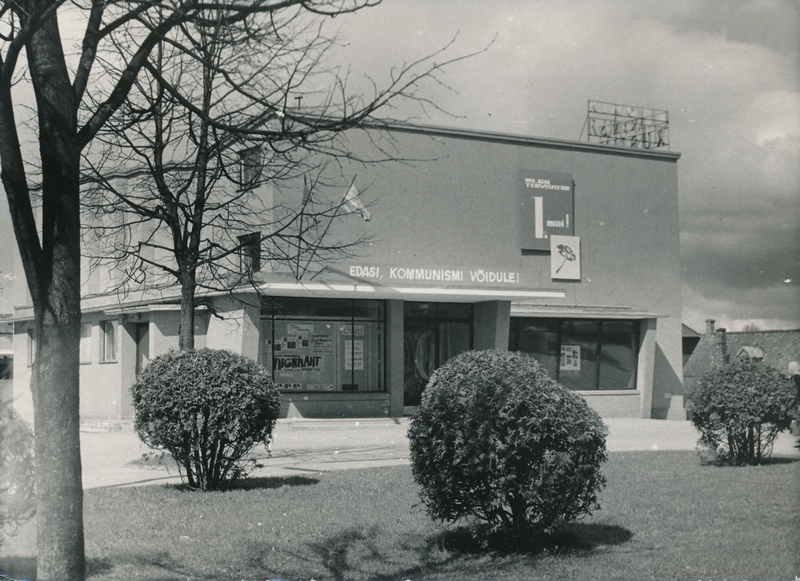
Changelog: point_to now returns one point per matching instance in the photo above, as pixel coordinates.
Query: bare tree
(223, 117)
(182, 180)
(74, 99)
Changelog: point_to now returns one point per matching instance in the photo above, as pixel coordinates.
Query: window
(109, 352)
(433, 333)
(249, 168)
(86, 343)
(582, 354)
(250, 253)
(324, 345)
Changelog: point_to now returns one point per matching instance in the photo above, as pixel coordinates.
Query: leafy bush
(17, 498)
(497, 440)
(208, 409)
(739, 410)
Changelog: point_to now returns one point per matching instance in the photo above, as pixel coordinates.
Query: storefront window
(577, 363)
(582, 354)
(618, 355)
(324, 345)
(433, 333)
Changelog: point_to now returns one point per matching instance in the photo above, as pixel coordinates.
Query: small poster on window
(322, 344)
(352, 330)
(570, 358)
(298, 329)
(354, 355)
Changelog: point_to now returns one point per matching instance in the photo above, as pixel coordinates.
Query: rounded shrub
(497, 440)
(17, 496)
(740, 408)
(208, 409)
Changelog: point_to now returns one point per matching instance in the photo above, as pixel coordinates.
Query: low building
(6, 362)
(564, 250)
(719, 347)
(690, 340)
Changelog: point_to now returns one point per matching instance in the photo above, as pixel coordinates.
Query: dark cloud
(773, 24)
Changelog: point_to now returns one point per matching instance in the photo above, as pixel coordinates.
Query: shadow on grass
(153, 565)
(18, 567)
(334, 550)
(25, 568)
(267, 482)
(707, 460)
(256, 483)
(355, 552)
(573, 537)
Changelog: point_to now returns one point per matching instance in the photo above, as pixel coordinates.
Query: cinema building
(564, 250)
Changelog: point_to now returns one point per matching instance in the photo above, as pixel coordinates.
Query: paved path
(304, 446)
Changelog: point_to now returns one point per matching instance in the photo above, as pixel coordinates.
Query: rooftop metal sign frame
(627, 126)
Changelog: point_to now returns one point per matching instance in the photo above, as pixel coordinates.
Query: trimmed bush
(17, 497)
(208, 409)
(497, 440)
(740, 408)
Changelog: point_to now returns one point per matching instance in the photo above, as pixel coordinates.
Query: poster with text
(546, 207)
(354, 355)
(303, 356)
(570, 358)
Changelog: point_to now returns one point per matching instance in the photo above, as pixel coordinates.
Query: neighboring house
(718, 347)
(568, 251)
(690, 340)
(6, 361)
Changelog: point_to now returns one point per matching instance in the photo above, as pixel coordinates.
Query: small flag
(352, 202)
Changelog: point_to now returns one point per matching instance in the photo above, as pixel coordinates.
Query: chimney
(721, 341)
(709, 327)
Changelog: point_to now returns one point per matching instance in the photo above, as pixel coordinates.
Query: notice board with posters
(303, 355)
(317, 355)
(546, 207)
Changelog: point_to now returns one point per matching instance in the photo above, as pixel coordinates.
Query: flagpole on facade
(306, 196)
(321, 238)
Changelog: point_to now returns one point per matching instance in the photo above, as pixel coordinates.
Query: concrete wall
(22, 398)
(614, 404)
(491, 324)
(335, 405)
(458, 206)
(101, 381)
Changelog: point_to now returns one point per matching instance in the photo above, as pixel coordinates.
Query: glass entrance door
(433, 333)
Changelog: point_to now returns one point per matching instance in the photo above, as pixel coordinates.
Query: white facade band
(439, 291)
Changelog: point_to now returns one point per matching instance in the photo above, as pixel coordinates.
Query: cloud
(775, 307)
(727, 72)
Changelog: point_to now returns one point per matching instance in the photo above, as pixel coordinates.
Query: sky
(727, 71)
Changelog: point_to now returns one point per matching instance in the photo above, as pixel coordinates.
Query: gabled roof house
(718, 347)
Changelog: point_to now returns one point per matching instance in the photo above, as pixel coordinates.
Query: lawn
(663, 516)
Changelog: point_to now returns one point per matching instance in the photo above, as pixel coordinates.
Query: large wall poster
(303, 356)
(546, 207)
(324, 355)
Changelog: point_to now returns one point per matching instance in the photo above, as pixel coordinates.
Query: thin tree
(211, 124)
(74, 99)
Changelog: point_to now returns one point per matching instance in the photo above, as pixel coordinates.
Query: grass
(664, 516)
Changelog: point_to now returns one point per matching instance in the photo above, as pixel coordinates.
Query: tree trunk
(59, 489)
(55, 291)
(186, 334)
